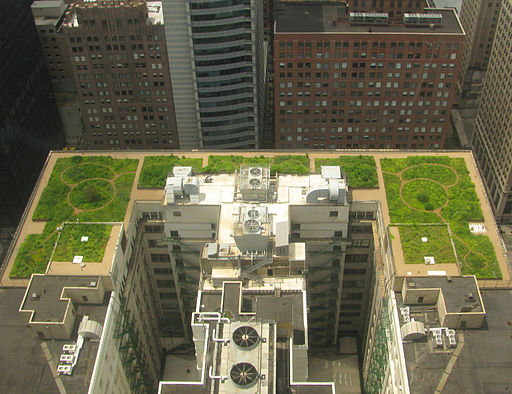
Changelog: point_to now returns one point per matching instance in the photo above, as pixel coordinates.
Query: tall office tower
(48, 17)
(479, 19)
(493, 127)
(364, 80)
(217, 64)
(119, 59)
(29, 121)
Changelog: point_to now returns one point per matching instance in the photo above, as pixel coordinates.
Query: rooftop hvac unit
(368, 18)
(255, 175)
(253, 213)
(246, 337)
(64, 369)
(244, 375)
(252, 226)
(415, 19)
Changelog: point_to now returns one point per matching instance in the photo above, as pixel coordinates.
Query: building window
(162, 271)
(333, 213)
(160, 257)
(176, 213)
(163, 283)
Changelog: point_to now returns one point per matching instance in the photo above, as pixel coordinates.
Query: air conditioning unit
(255, 177)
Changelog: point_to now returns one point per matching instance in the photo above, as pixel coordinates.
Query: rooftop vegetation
(70, 242)
(83, 188)
(361, 170)
(155, 169)
(438, 189)
(438, 243)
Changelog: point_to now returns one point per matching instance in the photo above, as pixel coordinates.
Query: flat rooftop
(289, 191)
(44, 294)
(484, 358)
(29, 363)
(455, 290)
(329, 18)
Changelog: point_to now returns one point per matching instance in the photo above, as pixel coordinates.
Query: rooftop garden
(361, 170)
(282, 164)
(72, 243)
(419, 241)
(80, 188)
(155, 168)
(438, 189)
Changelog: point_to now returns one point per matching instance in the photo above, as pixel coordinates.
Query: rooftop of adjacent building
(222, 189)
(455, 291)
(334, 18)
(481, 361)
(29, 363)
(155, 15)
(45, 295)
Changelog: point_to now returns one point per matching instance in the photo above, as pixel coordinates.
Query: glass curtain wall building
(217, 71)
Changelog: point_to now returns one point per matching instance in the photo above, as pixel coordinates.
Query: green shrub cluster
(462, 206)
(424, 194)
(218, 164)
(53, 206)
(156, 168)
(361, 170)
(91, 194)
(290, 164)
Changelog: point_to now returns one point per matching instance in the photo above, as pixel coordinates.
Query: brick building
(373, 81)
(117, 55)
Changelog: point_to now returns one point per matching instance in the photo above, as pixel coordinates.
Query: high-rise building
(493, 126)
(29, 120)
(217, 67)
(359, 79)
(239, 281)
(119, 60)
(479, 19)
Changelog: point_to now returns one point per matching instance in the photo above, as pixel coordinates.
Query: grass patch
(290, 164)
(81, 172)
(115, 211)
(70, 243)
(441, 174)
(91, 194)
(155, 169)
(361, 170)
(53, 206)
(218, 164)
(283, 164)
(439, 244)
(424, 194)
(34, 255)
(476, 253)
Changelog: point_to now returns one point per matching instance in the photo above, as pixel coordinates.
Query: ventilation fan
(255, 171)
(244, 374)
(255, 182)
(253, 213)
(252, 225)
(246, 337)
